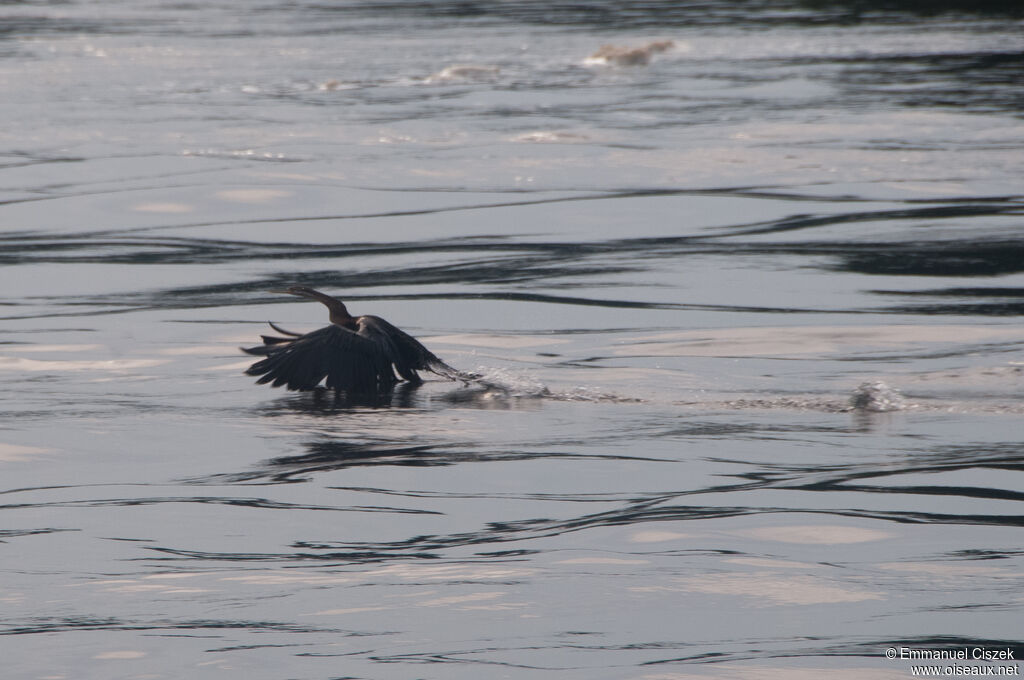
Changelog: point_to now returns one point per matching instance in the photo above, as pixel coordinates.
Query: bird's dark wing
(337, 356)
(405, 351)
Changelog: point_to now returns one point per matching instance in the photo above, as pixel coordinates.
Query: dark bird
(355, 354)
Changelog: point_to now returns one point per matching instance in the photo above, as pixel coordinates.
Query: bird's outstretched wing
(341, 359)
(405, 351)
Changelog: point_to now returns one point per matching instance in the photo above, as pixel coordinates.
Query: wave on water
(463, 72)
(869, 397)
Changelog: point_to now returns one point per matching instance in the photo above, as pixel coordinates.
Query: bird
(354, 355)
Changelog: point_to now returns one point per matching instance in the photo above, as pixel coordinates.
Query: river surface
(745, 289)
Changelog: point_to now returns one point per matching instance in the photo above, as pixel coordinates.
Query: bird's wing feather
(346, 360)
(406, 352)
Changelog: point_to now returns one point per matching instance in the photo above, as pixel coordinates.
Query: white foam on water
(877, 397)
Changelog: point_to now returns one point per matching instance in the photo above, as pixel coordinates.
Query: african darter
(355, 354)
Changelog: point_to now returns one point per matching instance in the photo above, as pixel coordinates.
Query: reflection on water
(741, 297)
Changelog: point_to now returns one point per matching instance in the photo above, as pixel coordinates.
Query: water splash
(617, 55)
(502, 385)
(509, 384)
(877, 397)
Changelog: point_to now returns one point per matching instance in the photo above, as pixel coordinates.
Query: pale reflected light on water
(743, 290)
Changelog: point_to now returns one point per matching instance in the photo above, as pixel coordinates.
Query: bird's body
(355, 354)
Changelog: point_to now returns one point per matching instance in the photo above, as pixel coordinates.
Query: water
(748, 313)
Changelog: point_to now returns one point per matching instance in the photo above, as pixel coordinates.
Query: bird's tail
(271, 343)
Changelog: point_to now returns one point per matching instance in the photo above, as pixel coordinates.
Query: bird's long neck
(339, 314)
